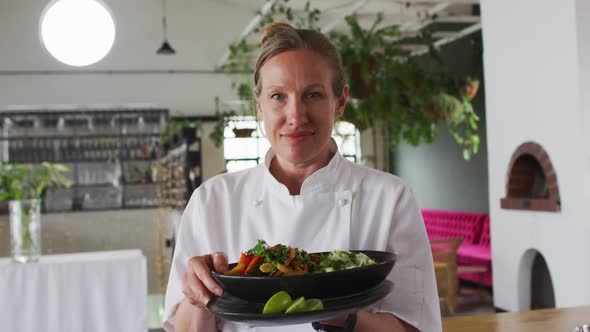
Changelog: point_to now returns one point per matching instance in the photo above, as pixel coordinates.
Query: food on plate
(281, 302)
(341, 260)
(314, 304)
(282, 260)
(277, 303)
(298, 305)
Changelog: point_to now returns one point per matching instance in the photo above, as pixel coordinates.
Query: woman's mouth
(297, 136)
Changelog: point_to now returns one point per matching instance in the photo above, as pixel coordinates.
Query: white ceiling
(200, 31)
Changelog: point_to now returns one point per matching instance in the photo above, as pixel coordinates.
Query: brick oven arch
(531, 180)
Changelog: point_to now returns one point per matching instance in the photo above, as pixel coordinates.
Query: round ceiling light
(77, 32)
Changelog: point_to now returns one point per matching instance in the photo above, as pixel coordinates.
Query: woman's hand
(197, 283)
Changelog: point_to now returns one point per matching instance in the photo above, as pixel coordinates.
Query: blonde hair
(281, 37)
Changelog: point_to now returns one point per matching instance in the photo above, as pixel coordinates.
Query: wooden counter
(562, 319)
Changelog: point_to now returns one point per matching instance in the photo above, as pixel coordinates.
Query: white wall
(583, 25)
(213, 158)
(199, 30)
(531, 69)
(441, 178)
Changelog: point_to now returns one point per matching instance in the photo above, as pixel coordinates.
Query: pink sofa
(474, 228)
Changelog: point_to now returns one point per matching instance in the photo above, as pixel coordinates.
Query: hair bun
(273, 29)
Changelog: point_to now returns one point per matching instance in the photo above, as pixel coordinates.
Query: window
(348, 140)
(77, 32)
(249, 151)
(243, 152)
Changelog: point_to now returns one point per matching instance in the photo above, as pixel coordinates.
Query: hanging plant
(217, 134)
(387, 85)
(404, 95)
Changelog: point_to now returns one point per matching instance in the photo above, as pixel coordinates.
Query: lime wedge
(298, 305)
(314, 304)
(277, 303)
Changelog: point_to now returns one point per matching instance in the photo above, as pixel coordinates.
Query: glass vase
(25, 230)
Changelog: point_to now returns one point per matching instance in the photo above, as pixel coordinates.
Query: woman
(305, 195)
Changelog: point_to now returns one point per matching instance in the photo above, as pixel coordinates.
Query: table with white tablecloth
(95, 291)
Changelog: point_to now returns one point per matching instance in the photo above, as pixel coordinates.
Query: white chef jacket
(341, 206)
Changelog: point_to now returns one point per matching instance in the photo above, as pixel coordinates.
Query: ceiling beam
(435, 35)
(414, 26)
(247, 30)
(413, 48)
(332, 24)
(453, 2)
(458, 19)
(467, 31)
(418, 24)
(442, 34)
(460, 34)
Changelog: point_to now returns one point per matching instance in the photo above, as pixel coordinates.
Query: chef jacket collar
(321, 180)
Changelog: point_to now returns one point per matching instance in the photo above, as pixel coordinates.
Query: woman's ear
(341, 104)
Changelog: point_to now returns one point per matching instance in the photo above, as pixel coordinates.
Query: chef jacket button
(258, 202)
(342, 202)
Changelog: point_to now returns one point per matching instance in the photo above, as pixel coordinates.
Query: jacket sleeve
(185, 248)
(414, 298)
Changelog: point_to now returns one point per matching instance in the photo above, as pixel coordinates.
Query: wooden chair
(444, 253)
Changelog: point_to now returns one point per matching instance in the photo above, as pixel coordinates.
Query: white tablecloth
(82, 292)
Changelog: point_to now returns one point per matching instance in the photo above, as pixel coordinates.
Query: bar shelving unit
(179, 171)
(112, 153)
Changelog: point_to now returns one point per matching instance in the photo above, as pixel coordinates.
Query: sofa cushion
(446, 224)
(474, 228)
(484, 239)
(474, 253)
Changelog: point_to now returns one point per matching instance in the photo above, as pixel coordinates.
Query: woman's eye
(312, 95)
(277, 96)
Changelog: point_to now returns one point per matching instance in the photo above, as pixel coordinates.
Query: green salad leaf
(341, 260)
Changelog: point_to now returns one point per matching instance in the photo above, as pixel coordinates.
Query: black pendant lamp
(165, 49)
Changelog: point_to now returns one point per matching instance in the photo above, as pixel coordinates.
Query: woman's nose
(296, 113)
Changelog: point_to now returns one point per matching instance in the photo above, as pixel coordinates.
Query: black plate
(237, 310)
(312, 285)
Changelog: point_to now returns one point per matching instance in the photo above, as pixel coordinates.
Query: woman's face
(298, 106)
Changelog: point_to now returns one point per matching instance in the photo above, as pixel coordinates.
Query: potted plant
(166, 136)
(24, 186)
(243, 132)
(188, 130)
(224, 118)
(217, 134)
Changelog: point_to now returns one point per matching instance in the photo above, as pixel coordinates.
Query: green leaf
(466, 154)
(28, 181)
(475, 139)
